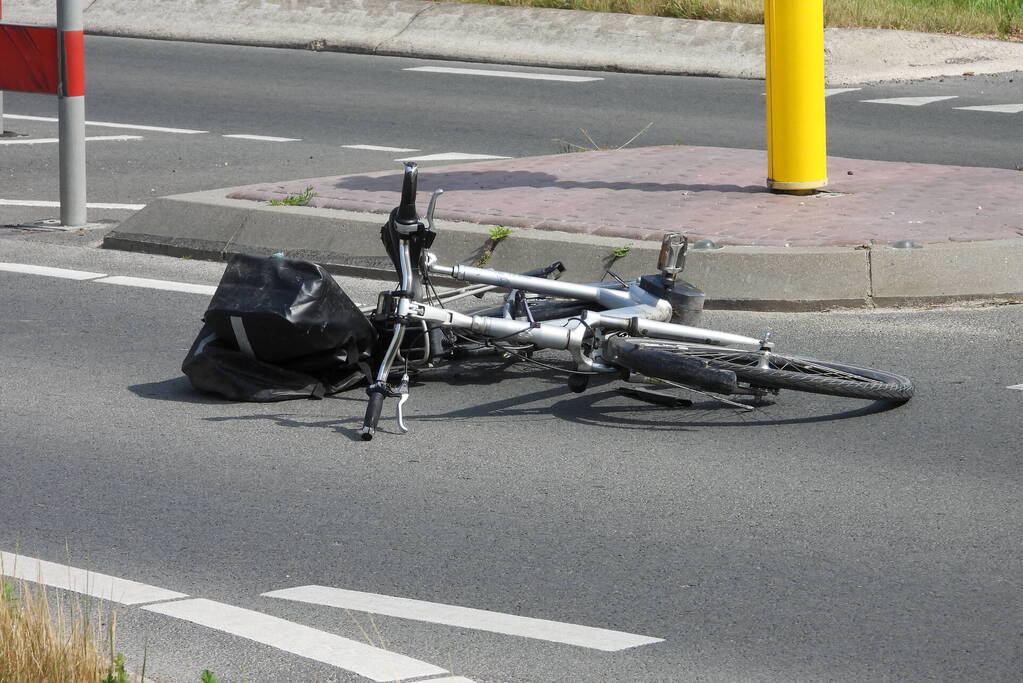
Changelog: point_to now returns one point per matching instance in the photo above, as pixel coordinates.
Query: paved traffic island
(884, 233)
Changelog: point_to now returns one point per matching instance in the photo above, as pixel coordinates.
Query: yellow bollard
(796, 135)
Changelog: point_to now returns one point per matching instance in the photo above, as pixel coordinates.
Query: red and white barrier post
(71, 112)
(52, 61)
(2, 131)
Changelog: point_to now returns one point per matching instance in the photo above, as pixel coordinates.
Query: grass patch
(621, 252)
(301, 199)
(46, 639)
(40, 641)
(497, 235)
(566, 147)
(1001, 18)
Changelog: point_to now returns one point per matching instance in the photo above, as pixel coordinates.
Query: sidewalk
(539, 37)
(843, 247)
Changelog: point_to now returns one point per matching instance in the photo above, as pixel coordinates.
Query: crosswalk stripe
(465, 617)
(452, 156)
(94, 584)
(379, 148)
(1001, 108)
(261, 138)
(912, 101)
(828, 92)
(366, 660)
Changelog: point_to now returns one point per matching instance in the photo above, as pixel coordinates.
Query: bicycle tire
(784, 372)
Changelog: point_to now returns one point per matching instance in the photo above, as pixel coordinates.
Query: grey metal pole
(1, 112)
(71, 120)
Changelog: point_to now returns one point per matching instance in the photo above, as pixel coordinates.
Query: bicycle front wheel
(773, 371)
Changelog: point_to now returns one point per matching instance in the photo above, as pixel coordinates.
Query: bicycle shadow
(599, 406)
(584, 409)
(624, 413)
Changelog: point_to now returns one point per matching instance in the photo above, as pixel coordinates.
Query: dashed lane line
(912, 101)
(128, 126)
(465, 617)
(828, 92)
(366, 660)
(378, 148)
(1000, 108)
(1018, 387)
(94, 138)
(504, 74)
(167, 285)
(145, 283)
(50, 272)
(94, 584)
(90, 205)
(451, 156)
(261, 138)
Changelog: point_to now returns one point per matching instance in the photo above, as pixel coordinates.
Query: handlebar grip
(376, 404)
(407, 206)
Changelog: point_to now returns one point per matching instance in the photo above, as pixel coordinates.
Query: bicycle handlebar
(407, 206)
(373, 409)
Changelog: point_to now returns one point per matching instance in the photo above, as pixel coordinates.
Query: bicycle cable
(486, 342)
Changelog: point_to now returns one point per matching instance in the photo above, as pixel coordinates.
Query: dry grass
(1002, 18)
(43, 641)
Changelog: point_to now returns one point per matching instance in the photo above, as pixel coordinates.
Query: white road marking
(465, 617)
(912, 101)
(377, 148)
(146, 283)
(504, 74)
(131, 126)
(94, 138)
(1016, 386)
(451, 156)
(365, 660)
(167, 285)
(262, 138)
(94, 584)
(1001, 108)
(50, 272)
(448, 679)
(828, 92)
(91, 205)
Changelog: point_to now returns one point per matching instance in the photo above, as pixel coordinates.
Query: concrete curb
(208, 225)
(536, 37)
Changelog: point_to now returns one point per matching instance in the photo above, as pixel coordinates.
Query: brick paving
(709, 192)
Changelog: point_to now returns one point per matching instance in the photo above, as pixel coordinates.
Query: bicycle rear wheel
(672, 361)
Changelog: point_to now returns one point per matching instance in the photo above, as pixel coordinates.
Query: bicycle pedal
(656, 397)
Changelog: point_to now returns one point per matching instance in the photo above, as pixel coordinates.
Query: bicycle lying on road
(636, 330)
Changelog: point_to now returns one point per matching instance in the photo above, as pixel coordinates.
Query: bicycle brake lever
(402, 392)
(432, 207)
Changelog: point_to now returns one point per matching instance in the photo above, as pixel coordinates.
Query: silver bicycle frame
(632, 310)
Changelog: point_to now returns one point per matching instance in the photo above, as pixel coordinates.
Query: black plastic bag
(278, 329)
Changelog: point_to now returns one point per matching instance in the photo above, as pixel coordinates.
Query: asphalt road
(328, 100)
(818, 539)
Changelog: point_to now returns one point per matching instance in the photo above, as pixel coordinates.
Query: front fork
(380, 389)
